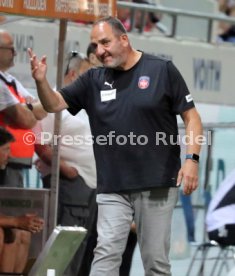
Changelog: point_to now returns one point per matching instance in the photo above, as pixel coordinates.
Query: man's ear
(125, 40)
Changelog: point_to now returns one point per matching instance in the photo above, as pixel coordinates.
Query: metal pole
(53, 204)
(206, 182)
(174, 25)
(209, 30)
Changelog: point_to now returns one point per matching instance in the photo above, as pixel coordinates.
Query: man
(127, 256)
(17, 115)
(132, 103)
(15, 233)
(77, 180)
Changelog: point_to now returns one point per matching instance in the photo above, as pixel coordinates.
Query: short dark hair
(5, 136)
(90, 49)
(114, 22)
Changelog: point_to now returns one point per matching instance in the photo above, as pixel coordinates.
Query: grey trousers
(152, 213)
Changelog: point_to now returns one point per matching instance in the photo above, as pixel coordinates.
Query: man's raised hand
(38, 67)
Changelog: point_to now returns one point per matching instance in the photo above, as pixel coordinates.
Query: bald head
(77, 64)
(114, 23)
(5, 37)
(7, 50)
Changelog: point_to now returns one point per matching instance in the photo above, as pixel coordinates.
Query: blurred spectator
(5, 139)
(150, 18)
(77, 182)
(127, 256)
(226, 30)
(123, 14)
(187, 206)
(2, 19)
(91, 56)
(222, 5)
(15, 233)
(15, 237)
(18, 114)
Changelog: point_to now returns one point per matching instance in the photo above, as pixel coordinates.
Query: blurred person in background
(18, 113)
(123, 14)
(15, 238)
(6, 138)
(90, 52)
(186, 201)
(2, 19)
(15, 231)
(227, 30)
(77, 181)
(151, 19)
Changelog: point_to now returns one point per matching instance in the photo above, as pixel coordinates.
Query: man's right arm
(51, 101)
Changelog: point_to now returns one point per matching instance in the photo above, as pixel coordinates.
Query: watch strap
(30, 106)
(193, 156)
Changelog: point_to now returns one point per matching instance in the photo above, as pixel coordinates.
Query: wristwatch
(30, 106)
(193, 156)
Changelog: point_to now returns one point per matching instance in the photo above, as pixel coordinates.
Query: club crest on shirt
(143, 82)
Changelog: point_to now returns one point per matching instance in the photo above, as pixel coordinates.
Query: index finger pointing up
(30, 52)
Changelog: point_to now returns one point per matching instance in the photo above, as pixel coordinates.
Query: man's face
(110, 47)
(7, 52)
(4, 155)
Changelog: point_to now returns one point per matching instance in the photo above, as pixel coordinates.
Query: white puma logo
(109, 84)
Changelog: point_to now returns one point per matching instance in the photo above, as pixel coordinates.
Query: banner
(80, 10)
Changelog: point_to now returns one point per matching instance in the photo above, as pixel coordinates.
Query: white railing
(174, 13)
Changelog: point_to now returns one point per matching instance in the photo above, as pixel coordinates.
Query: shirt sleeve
(6, 98)
(75, 94)
(179, 93)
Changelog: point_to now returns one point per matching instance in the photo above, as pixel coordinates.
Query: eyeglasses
(72, 55)
(12, 49)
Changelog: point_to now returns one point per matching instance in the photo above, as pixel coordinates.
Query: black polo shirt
(133, 120)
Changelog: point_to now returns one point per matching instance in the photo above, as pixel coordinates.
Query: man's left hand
(188, 174)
